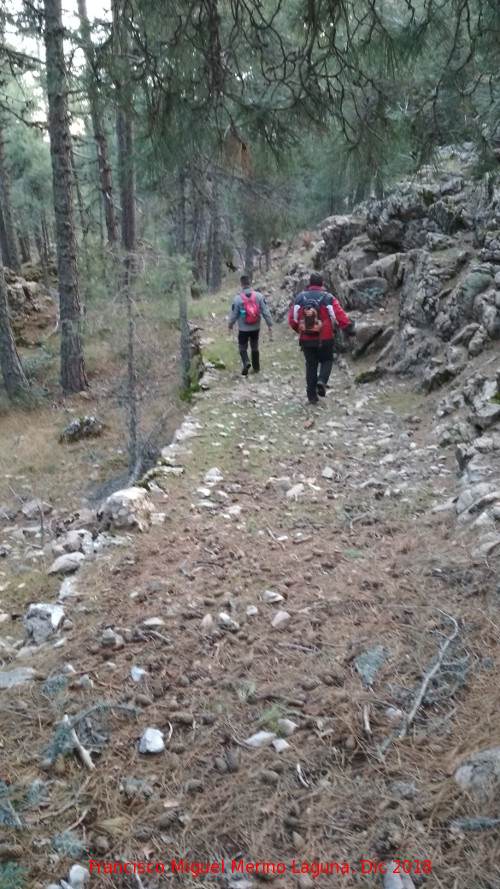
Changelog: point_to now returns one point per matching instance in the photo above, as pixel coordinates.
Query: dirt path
(320, 520)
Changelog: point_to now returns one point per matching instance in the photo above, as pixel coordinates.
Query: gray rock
(67, 563)
(17, 676)
(42, 621)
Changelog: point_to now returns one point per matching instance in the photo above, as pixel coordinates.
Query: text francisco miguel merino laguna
(196, 868)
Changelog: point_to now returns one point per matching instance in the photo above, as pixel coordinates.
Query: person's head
(316, 280)
(245, 281)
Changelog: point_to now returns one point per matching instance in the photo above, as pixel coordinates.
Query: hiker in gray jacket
(247, 309)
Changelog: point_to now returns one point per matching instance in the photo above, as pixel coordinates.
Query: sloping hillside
(317, 587)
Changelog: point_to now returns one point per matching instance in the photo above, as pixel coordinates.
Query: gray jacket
(237, 313)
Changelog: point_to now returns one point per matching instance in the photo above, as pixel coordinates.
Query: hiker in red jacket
(313, 315)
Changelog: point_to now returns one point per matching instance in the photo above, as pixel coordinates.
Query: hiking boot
(246, 368)
(313, 400)
(321, 389)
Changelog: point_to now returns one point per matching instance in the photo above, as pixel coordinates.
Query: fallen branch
(83, 753)
(298, 647)
(407, 721)
(402, 730)
(156, 635)
(67, 806)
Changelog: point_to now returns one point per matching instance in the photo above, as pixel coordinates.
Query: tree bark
(73, 377)
(15, 381)
(125, 136)
(215, 275)
(10, 251)
(105, 178)
(24, 244)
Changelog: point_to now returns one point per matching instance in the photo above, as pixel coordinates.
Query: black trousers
(244, 336)
(319, 363)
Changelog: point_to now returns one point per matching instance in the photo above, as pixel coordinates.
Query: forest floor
(307, 589)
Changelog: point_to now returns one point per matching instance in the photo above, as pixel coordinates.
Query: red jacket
(330, 312)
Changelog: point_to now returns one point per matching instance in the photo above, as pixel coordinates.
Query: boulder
(129, 508)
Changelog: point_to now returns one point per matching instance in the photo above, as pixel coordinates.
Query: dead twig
(407, 721)
(68, 805)
(156, 635)
(83, 753)
(297, 647)
(300, 775)
(366, 719)
(78, 820)
(273, 537)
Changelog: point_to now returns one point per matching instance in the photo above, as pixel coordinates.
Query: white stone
(78, 875)
(260, 739)
(271, 596)
(151, 741)
(280, 620)
(287, 727)
(227, 622)
(213, 476)
(153, 622)
(295, 492)
(280, 744)
(138, 673)
(207, 624)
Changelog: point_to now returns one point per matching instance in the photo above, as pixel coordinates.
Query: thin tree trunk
(25, 245)
(133, 407)
(105, 178)
(15, 381)
(266, 250)
(4, 246)
(208, 269)
(181, 213)
(198, 226)
(12, 253)
(84, 227)
(215, 279)
(73, 377)
(125, 133)
(43, 257)
(184, 340)
(249, 247)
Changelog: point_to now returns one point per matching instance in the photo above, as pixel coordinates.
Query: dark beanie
(316, 280)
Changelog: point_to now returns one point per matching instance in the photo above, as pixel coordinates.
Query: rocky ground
(307, 627)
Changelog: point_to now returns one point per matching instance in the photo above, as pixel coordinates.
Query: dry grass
(365, 571)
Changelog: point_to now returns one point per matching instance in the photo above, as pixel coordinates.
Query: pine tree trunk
(4, 246)
(10, 252)
(198, 224)
(43, 257)
(266, 250)
(249, 249)
(15, 381)
(215, 279)
(73, 377)
(181, 213)
(25, 245)
(125, 135)
(105, 178)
